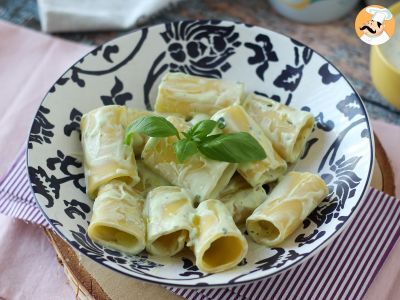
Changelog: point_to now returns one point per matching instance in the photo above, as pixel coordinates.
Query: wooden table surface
(336, 41)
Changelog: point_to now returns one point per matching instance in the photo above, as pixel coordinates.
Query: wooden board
(383, 177)
(90, 280)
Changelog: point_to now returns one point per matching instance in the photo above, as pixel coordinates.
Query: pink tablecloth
(30, 62)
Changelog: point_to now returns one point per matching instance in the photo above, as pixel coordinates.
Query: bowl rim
(303, 259)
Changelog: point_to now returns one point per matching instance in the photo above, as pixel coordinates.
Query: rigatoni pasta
(241, 199)
(189, 95)
(148, 179)
(106, 157)
(117, 220)
(168, 211)
(256, 173)
(286, 127)
(202, 177)
(236, 184)
(289, 203)
(218, 244)
(146, 192)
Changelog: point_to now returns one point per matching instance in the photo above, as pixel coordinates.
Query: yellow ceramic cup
(386, 77)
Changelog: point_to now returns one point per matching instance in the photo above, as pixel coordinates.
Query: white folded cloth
(94, 15)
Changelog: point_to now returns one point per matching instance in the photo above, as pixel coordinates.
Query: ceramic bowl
(127, 71)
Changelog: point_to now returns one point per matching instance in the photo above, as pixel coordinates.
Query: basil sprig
(185, 148)
(152, 126)
(201, 129)
(236, 147)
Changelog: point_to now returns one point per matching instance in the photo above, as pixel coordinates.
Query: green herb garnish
(184, 149)
(236, 147)
(152, 126)
(201, 129)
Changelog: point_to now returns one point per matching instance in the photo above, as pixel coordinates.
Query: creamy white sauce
(391, 49)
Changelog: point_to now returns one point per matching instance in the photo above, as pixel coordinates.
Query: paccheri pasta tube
(241, 199)
(202, 177)
(168, 211)
(218, 244)
(236, 184)
(189, 95)
(256, 173)
(106, 157)
(117, 220)
(148, 179)
(290, 202)
(286, 127)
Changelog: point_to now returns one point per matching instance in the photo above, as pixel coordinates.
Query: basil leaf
(152, 126)
(184, 149)
(202, 129)
(210, 138)
(235, 148)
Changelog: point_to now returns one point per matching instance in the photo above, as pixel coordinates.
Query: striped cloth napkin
(343, 270)
(16, 196)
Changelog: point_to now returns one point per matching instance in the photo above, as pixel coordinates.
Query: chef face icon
(373, 28)
(372, 25)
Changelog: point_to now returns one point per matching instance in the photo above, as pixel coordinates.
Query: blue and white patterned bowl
(127, 71)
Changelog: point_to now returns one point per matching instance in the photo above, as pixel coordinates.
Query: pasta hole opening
(302, 137)
(223, 251)
(170, 243)
(126, 179)
(116, 236)
(267, 230)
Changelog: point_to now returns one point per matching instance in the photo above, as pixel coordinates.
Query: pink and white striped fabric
(16, 196)
(343, 270)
